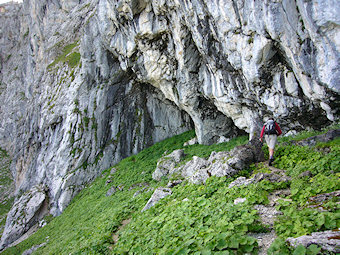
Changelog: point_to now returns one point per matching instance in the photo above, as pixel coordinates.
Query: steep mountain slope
(208, 218)
(87, 83)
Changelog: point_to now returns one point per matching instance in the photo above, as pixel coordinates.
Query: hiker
(271, 130)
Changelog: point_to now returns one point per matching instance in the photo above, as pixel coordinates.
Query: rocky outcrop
(159, 194)
(311, 141)
(275, 175)
(33, 249)
(26, 212)
(198, 170)
(327, 240)
(84, 84)
(166, 164)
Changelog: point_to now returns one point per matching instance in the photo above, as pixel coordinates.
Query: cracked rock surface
(84, 84)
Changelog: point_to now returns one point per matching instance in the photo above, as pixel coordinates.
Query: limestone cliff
(86, 83)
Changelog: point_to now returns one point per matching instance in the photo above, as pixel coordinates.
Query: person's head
(267, 117)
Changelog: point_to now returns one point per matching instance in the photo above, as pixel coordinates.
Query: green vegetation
(198, 219)
(6, 185)
(195, 219)
(300, 215)
(27, 32)
(68, 56)
(73, 59)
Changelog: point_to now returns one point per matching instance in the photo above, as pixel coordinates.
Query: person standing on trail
(271, 130)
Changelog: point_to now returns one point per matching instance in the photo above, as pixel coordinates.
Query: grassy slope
(6, 186)
(195, 218)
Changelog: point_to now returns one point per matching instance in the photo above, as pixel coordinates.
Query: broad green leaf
(222, 253)
(300, 250)
(183, 251)
(221, 244)
(313, 250)
(206, 251)
(320, 220)
(248, 248)
(233, 242)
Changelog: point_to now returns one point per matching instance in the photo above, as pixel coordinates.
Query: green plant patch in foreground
(199, 219)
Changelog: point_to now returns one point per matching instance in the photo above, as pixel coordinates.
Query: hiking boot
(270, 161)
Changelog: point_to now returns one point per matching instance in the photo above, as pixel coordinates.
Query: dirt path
(115, 235)
(268, 214)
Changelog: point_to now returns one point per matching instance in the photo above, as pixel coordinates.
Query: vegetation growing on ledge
(68, 55)
(6, 201)
(195, 219)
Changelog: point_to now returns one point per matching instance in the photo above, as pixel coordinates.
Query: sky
(6, 1)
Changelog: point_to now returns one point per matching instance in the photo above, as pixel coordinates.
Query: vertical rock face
(87, 83)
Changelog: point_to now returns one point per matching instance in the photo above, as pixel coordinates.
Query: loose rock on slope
(198, 170)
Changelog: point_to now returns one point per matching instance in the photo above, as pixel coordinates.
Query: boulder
(156, 196)
(111, 191)
(223, 139)
(241, 181)
(239, 200)
(28, 210)
(327, 240)
(272, 177)
(195, 170)
(312, 141)
(33, 249)
(191, 142)
(167, 164)
(218, 164)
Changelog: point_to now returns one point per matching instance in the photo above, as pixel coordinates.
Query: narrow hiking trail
(115, 235)
(268, 213)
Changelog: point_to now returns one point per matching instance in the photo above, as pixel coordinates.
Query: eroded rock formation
(85, 83)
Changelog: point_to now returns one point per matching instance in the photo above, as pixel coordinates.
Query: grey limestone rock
(198, 170)
(327, 240)
(156, 196)
(241, 181)
(167, 164)
(111, 191)
(239, 200)
(195, 170)
(267, 214)
(33, 249)
(25, 213)
(138, 72)
(191, 142)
